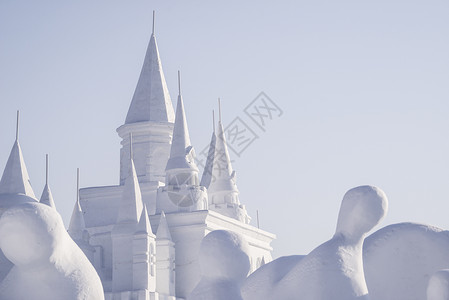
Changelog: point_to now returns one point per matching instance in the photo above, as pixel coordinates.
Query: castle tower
(129, 213)
(150, 120)
(165, 249)
(181, 191)
(167, 176)
(144, 257)
(222, 190)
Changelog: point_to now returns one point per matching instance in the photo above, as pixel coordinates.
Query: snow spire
(17, 125)
(15, 179)
(222, 173)
(144, 222)
(77, 225)
(207, 173)
(152, 30)
(151, 100)
(181, 152)
(130, 207)
(47, 197)
(163, 232)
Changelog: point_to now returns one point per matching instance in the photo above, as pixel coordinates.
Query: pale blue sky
(363, 86)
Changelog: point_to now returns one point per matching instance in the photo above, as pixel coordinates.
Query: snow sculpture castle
(143, 235)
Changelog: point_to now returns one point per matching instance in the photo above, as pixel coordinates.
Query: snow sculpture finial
(47, 197)
(152, 31)
(77, 225)
(77, 185)
(17, 125)
(151, 100)
(219, 110)
(15, 179)
(179, 83)
(131, 205)
(163, 232)
(46, 168)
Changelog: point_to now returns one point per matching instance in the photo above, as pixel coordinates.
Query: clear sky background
(364, 87)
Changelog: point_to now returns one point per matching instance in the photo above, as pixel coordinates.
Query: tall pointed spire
(207, 172)
(222, 173)
(222, 191)
(131, 205)
(151, 100)
(47, 197)
(163, 232)
(77, 225)
(15, 179)
(181, 156)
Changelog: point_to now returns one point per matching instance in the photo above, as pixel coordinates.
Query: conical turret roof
(131, 206)
(151, 100)
(182, 155)
(77, 225)
(207, 172)
(47, 197)
(15, 179)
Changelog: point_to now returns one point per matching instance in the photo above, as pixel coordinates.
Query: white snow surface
(47, 262)
(400, 258)
(257, 284)
(224, 266)
(333, 270)
(438, 288)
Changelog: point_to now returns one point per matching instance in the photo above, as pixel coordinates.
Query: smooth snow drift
(47, 263)
(400, 258)
(267, 276)
(224, 266)
(334, 270)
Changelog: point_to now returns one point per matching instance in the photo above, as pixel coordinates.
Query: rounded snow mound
(362, 208)
(223, 254)
(224, 266)
(258, 285)
(10, 200)
(438, 288)
(400, 258)
(47, 263)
